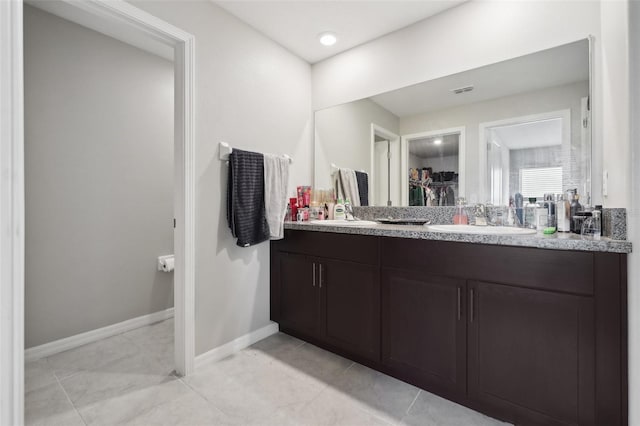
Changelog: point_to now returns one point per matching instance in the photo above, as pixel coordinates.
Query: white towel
(276, 179)
(350, 185)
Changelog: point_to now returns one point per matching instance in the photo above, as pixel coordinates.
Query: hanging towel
(245, 198)
(337, 184)
(350, 186)
(276, 179)
(363, 187)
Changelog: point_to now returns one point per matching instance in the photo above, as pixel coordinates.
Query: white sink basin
(484, 230)
(350, 223)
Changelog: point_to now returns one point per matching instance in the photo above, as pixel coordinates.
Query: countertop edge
(551, 242)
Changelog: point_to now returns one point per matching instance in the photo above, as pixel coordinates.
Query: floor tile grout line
(70, 401)
(195, 391)
(413, 402)
(349, 367)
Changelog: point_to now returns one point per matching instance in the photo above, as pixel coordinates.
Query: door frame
(109, 17)
(564, 114)
(11, 215)
(404, 153)
(387, 134)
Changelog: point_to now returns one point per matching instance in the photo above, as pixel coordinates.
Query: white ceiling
(295, 24)
(535, 134)
(425, 148)
(549, 68)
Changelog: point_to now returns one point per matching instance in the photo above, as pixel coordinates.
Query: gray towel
(349, 186)
(276, 180)
(245, 198)
(363, 187)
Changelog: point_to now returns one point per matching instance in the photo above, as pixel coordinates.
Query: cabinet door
(424, 329)
(299, 294)
(531, 354)
(350, 307)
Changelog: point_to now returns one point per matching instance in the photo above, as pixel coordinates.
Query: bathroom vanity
(525, 334)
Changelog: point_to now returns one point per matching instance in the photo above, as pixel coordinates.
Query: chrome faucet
(480, 213)
(348, 211)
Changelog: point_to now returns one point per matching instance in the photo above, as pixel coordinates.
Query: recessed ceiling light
(437, 141)
(328, 38)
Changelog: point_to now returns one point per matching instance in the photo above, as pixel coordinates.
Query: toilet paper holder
(166, 263)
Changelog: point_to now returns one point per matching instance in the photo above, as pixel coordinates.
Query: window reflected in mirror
(533, 156)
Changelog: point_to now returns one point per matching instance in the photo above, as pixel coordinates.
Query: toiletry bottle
(541, 211)
(293, 202)
(530, 214)
(512, 216)
(563, 212)
(338, 211)
(550, 205)
(597, 224)
(519, 208)
(575, 208)
(460, 218)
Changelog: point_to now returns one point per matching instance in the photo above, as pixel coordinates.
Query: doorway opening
(137, 28)
(385, 167)
(433, 166)
(132, 25)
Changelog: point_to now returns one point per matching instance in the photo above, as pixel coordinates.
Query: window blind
(537, 181)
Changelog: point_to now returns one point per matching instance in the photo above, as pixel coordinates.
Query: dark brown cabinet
(531, 353)
(299, 296)
(530, 336)
(331, 301)
(350, 306)
(424, 329)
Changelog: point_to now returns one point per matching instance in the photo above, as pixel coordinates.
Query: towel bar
(225, 150)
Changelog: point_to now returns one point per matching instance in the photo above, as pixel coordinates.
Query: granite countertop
(557, 241)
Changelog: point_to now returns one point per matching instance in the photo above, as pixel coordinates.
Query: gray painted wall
(255, 95)
(343, 137)
(99, 176)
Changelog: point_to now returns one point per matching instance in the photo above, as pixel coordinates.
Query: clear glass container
(591, 226)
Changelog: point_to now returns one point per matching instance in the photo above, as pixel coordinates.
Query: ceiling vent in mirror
(462, 89)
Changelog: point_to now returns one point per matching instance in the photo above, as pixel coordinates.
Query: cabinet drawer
(556, 270)
(345, 247)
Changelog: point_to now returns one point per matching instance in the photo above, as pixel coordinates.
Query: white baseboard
(216, 354)
(72, 342)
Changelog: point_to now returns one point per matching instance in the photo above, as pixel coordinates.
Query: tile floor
(281, 380)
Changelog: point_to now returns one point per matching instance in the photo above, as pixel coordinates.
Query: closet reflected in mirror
(433, 161)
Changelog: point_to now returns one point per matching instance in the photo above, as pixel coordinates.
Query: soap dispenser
(460, 218)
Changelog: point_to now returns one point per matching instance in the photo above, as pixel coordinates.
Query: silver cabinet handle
(314, 274)
(471, 305)
(320, 269)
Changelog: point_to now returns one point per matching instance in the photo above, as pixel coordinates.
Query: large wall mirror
(517, 126)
